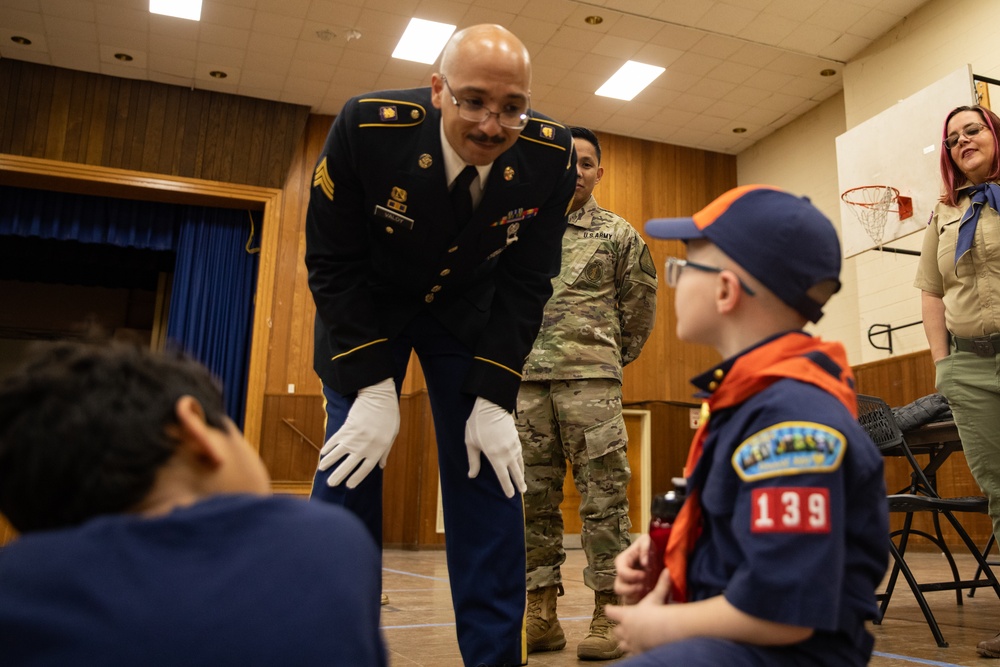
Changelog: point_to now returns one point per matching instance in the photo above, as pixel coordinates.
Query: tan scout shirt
(603, 303)
(972, 294)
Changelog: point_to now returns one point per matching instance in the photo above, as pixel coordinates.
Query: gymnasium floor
(419, 624)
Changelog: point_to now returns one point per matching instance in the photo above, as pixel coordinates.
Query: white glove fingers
(473, 462)
(334, 455)
(331, 443)
(365, 437)
(508, 488)
(361, 473)
(343, 470)
(503, 475)
(517, 476)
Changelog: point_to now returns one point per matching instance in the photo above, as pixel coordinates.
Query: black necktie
(461, 197)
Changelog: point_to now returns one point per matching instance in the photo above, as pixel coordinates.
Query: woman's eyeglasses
(970, 130)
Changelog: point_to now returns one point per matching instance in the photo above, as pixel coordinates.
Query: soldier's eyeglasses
(675, 265)
(970, 130)
(513, 117)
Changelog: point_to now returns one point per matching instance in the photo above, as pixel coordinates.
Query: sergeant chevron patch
(322, 180)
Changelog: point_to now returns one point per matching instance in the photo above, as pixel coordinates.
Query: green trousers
(972, 386)
(579, 421)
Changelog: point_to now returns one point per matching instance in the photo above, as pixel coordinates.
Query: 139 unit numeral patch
(786, 509)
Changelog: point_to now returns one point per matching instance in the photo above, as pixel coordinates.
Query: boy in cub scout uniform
(600, 315)
(435, 225)
(778, 549)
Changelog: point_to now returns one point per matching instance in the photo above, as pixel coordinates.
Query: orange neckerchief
(783, 357)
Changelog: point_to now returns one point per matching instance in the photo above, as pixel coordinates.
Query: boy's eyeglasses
(675, 265)
(970, 130)
(512, 117)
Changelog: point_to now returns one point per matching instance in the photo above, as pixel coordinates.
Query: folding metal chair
(986, 554)
(921, 495)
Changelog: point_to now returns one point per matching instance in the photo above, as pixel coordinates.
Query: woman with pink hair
(959, 279)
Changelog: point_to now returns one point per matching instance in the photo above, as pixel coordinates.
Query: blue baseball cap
(782, 240)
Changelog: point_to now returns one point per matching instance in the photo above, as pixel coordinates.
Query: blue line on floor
(413, 574)
(919, 661)
(448, 625)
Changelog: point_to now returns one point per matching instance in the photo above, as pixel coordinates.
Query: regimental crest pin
(547, 132)
(398, 197)
(388, 113)
(425, 161)
(508, 174)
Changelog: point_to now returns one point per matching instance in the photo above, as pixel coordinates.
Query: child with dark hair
(149, 535)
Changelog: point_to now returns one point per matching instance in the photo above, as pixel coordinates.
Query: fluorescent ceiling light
(182, 9)
(629, 80)
(422, 41)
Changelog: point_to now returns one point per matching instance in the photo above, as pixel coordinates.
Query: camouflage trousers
(579, 421)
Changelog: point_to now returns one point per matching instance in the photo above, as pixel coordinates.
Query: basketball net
(871, 205)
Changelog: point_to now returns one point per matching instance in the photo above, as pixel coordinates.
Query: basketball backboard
(899, 147)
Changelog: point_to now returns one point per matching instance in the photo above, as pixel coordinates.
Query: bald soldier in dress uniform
(396, 263)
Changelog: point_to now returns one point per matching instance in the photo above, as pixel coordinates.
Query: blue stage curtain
(211, 307)
(88, 219)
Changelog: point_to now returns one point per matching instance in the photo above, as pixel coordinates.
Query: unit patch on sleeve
(646, 263)
(790, 509)
(789, 448)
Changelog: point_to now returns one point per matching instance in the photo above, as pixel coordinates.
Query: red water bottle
(664, 510)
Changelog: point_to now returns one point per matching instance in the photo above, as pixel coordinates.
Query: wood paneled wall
(643, 180)
(138, 126)
(290, 358)
(7, 532)
(59, 114)
(900, 380)
(89, 119)
(897, 380)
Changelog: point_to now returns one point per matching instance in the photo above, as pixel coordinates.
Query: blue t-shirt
(231, 580)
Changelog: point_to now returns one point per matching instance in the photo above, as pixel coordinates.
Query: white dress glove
(366, 436)
(491, 431)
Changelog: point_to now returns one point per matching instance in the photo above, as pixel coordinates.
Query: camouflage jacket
(603, 303)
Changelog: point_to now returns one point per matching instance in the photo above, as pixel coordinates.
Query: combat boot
(600, 643)
(543, 629)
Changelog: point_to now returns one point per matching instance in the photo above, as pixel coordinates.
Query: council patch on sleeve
(789, 448)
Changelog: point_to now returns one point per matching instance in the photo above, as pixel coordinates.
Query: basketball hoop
(872, 203)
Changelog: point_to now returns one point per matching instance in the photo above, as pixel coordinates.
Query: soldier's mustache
(488, 139)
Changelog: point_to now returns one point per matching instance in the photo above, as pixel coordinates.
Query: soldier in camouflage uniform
(569, 406)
